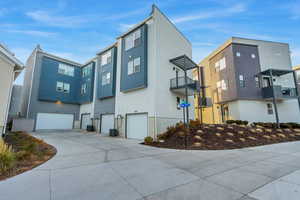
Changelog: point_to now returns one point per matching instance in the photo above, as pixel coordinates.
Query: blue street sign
(184, 105)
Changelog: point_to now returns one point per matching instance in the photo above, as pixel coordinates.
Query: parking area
(90, 166)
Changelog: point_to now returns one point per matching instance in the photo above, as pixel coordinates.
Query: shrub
(274, 125)
(148, 140)
(31, 148)
(7, 157)
(239, 122)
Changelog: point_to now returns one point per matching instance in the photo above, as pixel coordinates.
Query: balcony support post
(296, 86)
(274, 99)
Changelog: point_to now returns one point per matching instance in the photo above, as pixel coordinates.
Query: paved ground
(89, 167)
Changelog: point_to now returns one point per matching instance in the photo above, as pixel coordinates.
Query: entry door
(107, 122)
(137, 126)
(266, 82)
(85, 121)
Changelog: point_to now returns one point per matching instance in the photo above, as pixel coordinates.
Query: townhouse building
(249, 80)
(10, 68)
(297, 71)
(128, 86)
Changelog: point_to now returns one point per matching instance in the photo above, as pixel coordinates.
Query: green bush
(148, 140)
(7, 157)
(30, 148)
(239, 122)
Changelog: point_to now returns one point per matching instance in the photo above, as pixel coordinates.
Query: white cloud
(33, 33)
(216, 13)
(51, 19)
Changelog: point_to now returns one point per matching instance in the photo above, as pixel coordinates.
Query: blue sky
(78, 29)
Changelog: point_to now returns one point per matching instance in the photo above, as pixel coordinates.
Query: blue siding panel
(108, 90)
(89, 81)
(137, 80)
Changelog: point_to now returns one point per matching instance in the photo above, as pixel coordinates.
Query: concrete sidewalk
(88, 166)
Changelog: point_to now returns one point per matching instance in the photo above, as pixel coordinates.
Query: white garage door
(137, 126)
(107, 122)
(85, 121)
(48, 121)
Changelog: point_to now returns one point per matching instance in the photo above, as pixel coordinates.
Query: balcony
(279, 92)
(177, 85)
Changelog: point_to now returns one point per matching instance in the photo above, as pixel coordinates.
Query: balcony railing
(178, 85)
(279, 92)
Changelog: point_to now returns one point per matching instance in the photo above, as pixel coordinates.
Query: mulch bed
(30, 153)
(221, 137)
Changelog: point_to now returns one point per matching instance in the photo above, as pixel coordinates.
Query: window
(257, 82)
(242, 81)
(178, 103)
(133, 40)
(106, 78)
(221, 64)
(83, 88)
(59, 86)
(62, 87)
(65, 69)
(238, 54)
(270, 108)
(253, 56)
(86, 71)
(106, 58)
(66, 88)
(134, 66)
(223, 84)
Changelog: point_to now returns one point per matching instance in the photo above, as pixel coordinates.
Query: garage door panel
(107, 122)
(48, 121)
(85, 121)
(137, 126)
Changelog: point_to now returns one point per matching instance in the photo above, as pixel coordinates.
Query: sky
(78, 29)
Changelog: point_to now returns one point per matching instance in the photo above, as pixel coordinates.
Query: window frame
(270, 109)
(242, 82)
(66, 69)
(83, 89)
(106, 78)
(107, 57)
(134, 66)
(57, 87)
(133, 40)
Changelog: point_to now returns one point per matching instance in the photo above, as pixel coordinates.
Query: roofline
(135, 27)
(11, 56)
(59, 58)
(90, 60)
(230, 41)
(107, 48)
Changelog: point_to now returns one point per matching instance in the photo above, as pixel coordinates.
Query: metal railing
(180, 83)
(279, 92)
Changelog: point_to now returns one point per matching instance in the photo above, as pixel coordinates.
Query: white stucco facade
(164, 43)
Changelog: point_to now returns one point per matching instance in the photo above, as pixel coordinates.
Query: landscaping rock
(252, 138)
(220, 128)
(281, 135)
(279, 130)
(241, 132)
(287, 130)
(268, 130)
(274, 136)
(230, 134)
(218, 134)
(181, 134)
(298, 134)
(197, 137)
(199, 131)
(297, 130)
(197, 144)
(267, 137)
(243, 139)
(258, 130)
(161, 141)
(230, 141)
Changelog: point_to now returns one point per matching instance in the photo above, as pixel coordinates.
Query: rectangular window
(83, 88)
(222, 63)
(257, 83)
(217, 66)
(66, 88)
(133, 40)
(134, 66)
(106, 78)
(62, 87)
(65, 69)
(270, 108)
(59, 86)
(242, 81)
(86, 71)
(106, 58)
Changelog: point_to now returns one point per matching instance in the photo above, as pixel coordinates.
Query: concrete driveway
(88, 166)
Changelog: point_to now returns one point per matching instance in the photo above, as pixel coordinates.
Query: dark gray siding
(37, 106)
(248, 67)
(136, 80)
(15, 103)
(227, 74)
(108, 90)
